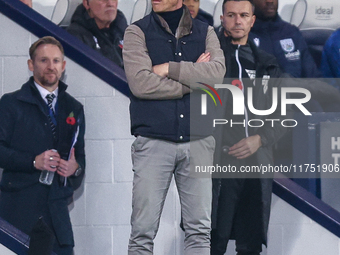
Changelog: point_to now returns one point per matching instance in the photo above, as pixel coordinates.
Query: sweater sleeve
(212, 72)
(183, 76)
(142, 81)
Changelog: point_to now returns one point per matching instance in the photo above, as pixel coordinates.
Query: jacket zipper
(240, 78)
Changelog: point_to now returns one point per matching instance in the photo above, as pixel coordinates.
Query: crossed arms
(169, 80)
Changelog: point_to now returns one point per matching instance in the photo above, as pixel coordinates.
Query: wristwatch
(78, 171)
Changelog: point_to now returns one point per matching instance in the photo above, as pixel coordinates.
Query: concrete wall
(101, 211)
(5, 251)
(293, 233)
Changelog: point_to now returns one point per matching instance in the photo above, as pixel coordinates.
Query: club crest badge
(287, 45)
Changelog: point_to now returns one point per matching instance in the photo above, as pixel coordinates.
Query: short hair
(42, 41)
(250, 1)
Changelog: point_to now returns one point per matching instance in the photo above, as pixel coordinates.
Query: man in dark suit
(38, 136)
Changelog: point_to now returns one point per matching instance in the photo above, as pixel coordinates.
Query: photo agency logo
(204, 97)
(238, 92)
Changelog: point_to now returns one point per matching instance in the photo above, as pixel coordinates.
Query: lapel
(67, 122)
(30, 94)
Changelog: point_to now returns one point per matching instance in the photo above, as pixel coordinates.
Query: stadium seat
(217, 13)
(286, 12)
(63, 11)
(317, 20)
(140, 9)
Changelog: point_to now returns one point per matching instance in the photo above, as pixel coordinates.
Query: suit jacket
(25, 132)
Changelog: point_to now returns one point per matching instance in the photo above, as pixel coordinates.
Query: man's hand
(161, 70)
(205, 57)
(67, 168)
(245, 147)
(48, 160)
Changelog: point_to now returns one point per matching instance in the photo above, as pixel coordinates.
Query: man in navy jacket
(36, 137)
(283, 40)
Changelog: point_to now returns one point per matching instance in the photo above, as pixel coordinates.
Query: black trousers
(239, 217)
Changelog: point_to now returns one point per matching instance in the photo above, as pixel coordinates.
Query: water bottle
(46, 177)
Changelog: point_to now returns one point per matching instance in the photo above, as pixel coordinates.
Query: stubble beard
(46, 82)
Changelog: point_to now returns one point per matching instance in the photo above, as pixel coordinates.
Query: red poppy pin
(70, 119)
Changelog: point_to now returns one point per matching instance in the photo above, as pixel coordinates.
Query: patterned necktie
(50, 98)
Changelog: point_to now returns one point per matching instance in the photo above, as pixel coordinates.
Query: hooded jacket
(109, 42)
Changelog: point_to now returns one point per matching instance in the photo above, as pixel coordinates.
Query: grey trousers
(154, 163)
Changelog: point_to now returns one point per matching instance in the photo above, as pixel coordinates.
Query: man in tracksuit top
(165, 54)
(241, 205)
(283, 40)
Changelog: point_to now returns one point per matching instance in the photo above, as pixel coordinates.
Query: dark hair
(250, 1)
(42, 41)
